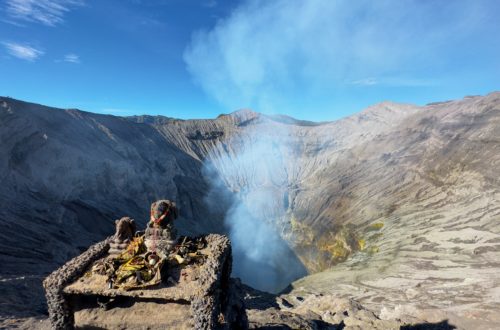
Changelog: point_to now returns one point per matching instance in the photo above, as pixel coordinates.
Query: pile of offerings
(137, 268)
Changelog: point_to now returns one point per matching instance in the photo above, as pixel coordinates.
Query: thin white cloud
(210, 3)
(47, 12)
(267, 54)
(151, 22)
(365, 82)
(395, 82)
(23, 51)
(409, 82)
(72, 58)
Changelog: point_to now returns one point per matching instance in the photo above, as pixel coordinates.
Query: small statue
(160, 236)
(125, 230)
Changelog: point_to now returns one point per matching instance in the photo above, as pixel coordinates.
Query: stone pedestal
(194, 296)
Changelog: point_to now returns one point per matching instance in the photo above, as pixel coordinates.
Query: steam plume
(254, 177)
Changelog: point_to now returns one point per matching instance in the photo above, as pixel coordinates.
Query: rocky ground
(315, 312)
(307, 312)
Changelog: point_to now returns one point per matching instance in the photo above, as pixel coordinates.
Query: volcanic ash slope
(397, 206)
(424, 200)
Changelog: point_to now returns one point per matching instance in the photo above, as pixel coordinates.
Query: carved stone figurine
(125, 230)
(160, 236)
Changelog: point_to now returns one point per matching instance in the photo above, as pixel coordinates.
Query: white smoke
(290, 55)
(252, 177)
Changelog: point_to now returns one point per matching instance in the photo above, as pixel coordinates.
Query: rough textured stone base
(214, 300)
(60, 313)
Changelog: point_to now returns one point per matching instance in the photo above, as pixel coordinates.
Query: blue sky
(315, 59)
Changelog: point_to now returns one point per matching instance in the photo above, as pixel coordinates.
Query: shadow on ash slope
(396, 205)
